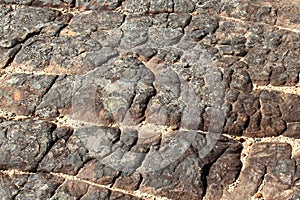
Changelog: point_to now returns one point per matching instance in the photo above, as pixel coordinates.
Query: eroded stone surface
(21, 23)
(21, 93)
(273, 164)
(102, 155)
(39, 186)
(269, 55)
(25, 143)
(11, 184)
(148, 76)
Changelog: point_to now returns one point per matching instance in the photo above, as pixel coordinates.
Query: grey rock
(51, 3)
(98, 5)
(21, 93)
(272, 163)
(10, 185)
(136, 7)
(39, 186)
(201, 27)
(13, 30)
(24, 143)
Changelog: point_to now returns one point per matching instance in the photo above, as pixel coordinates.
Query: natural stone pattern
(121, 92)
(93, 21)
(94, 193)
(149, 99)
(280, 66)
(39, 186)
(98, 5)
(10, 184)
(22, 2)
(58, 57)
(141, 7)
(271, 163)
(24, 143)
(117, 195)
(181, 177)
(21, 93)
(53, 3)
(22, 23)
(269, 12)
(219, 178)
(7, 55)
(102, 156)
(68, 155)
(97, 39)
(41, 3)
(76, 51)
(58, 100)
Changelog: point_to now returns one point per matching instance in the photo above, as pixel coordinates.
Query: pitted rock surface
(149, 99)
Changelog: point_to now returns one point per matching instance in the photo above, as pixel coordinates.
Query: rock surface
(165, 99)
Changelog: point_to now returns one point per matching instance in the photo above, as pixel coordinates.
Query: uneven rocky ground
(144, 99)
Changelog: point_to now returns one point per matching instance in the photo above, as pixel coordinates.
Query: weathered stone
(53, 3)
(10, 185)
(184, 6)
(68, 155)
(58, 100)
(182, 177)
(241, 81)
(21, 93)
(7, 55)
(129, 182)
(93, 21)
(291, 108)
(73, 50)
(145, 54)
(201, 27)
(71, 190)
(164, 108)
(70, 95)
(135, 32)
(292, 130)
(136, 6)
(39, 186)
(24, 143)
(99, 173)
(219, 178)
(126, 103)
(95, 193)
(22, 23)
(64, 55)
(118, 195)
(179, 20)
(161, 6)
(271, 103)
(102, 169)
(22, 2)
(271, 163)
(148, 76)
(288, 15)
(164, 37)
(251, 11)
(98, 5)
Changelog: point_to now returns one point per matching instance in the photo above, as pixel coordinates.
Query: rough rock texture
(145, 99)
(271, 163)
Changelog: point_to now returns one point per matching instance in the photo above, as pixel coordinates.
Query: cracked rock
(143, 99)
(10, 185)
(24, 143)
(98, 5)
(22, 23)
(21, 93)
(39, 186)
(269, 164)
